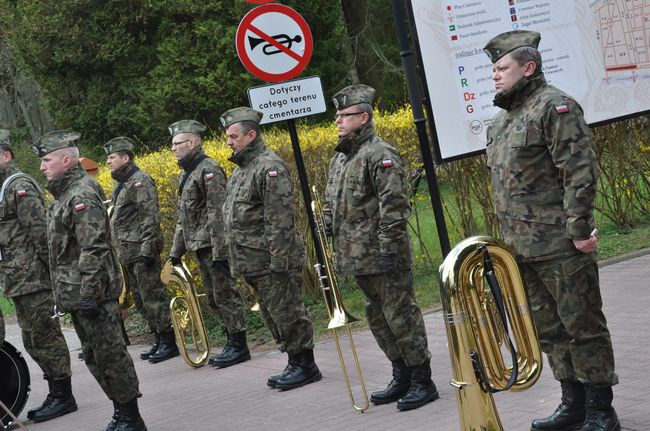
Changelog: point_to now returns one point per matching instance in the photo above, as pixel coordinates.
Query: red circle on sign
(246, 24)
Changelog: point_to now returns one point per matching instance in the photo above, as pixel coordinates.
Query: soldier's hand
(221, 266)
(88, 307)
(386, 262)
(148, 261)
(174, 260)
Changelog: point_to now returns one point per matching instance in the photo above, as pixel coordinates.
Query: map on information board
(598, 51)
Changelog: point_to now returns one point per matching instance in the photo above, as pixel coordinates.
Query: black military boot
(600, 413)
(227, 346)
(129, 417)
(422, 390)
(397, 387)
(167, 349)
(303, 372)
(570, 414)
(116, 417)
(235, 351)
(273, 380)
(48, 399)
(156, 343)
(62, 402)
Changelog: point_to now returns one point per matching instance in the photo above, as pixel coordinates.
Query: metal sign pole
(408, 62)
(304, 186)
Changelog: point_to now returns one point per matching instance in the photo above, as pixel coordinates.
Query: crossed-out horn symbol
(268, 48)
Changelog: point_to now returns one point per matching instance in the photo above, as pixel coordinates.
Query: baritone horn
(482, 294)
(186, 316)
(338, 315)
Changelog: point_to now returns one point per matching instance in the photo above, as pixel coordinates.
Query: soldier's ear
(530, 68)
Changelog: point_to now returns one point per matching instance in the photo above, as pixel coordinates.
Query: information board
(288, 100)
(595, 50)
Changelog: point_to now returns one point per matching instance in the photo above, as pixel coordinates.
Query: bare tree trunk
(21, 103)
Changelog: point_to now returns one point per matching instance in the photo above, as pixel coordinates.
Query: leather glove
(148, 261)
(221, 266)
(174, 260)
(88, 307)
(386, 262)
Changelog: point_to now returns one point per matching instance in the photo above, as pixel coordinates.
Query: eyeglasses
(176, 144)
(346, 115)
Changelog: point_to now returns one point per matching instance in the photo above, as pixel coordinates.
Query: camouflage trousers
(565, 301)
(280, 297)
(105, 352)
(42, 336)
(151, 296)
(224, 299)
(393, 316)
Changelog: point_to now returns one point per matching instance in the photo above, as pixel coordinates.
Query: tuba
(338, 315)
(186, 316)
(482, 293)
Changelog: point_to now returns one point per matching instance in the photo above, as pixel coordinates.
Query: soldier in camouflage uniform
(202, 191)
(366, 211)
(544, 174)
(25, 278)
(85, 273)
(135, 228)
(265, 247)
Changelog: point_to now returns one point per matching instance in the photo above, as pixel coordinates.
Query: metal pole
(408, 61)
(304, 186)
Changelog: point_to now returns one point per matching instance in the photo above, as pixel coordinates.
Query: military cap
(353, 95)
(237, 115)
(502, 44)
(186, 126)
(121, 143)
(55, 141)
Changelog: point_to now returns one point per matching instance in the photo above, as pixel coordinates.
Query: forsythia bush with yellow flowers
(317, 145)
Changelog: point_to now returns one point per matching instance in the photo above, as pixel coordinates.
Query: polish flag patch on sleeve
(561, 109)
(138, 184)
(387, 163)
(209, 176)
(273, 173)
(79, 207)
(21, 193)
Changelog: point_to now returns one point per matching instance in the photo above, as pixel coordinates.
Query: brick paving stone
(178, 398)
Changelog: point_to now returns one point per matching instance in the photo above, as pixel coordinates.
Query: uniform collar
(192, 159)
(514, 97)
(252, 150)
(350, 143)
(8, 169)
(58, 185)
(123, 174)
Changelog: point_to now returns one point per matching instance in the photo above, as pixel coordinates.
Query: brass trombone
(477, 332)
(186, 316)
(338, 315)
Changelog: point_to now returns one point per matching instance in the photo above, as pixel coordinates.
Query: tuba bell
(482, 294)
(186, 316)
(338, 315)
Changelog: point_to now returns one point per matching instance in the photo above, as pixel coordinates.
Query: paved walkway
(177, 397)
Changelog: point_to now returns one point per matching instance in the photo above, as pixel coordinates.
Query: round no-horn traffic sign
(274, 42)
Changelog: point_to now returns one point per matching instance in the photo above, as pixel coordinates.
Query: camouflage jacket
(23, 235)
(367, 205)
(200, 205)
(135, 218)
(82, 263)
(258, 214)
(544, 170)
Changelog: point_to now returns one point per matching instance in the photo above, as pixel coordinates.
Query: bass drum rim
(13, 366)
